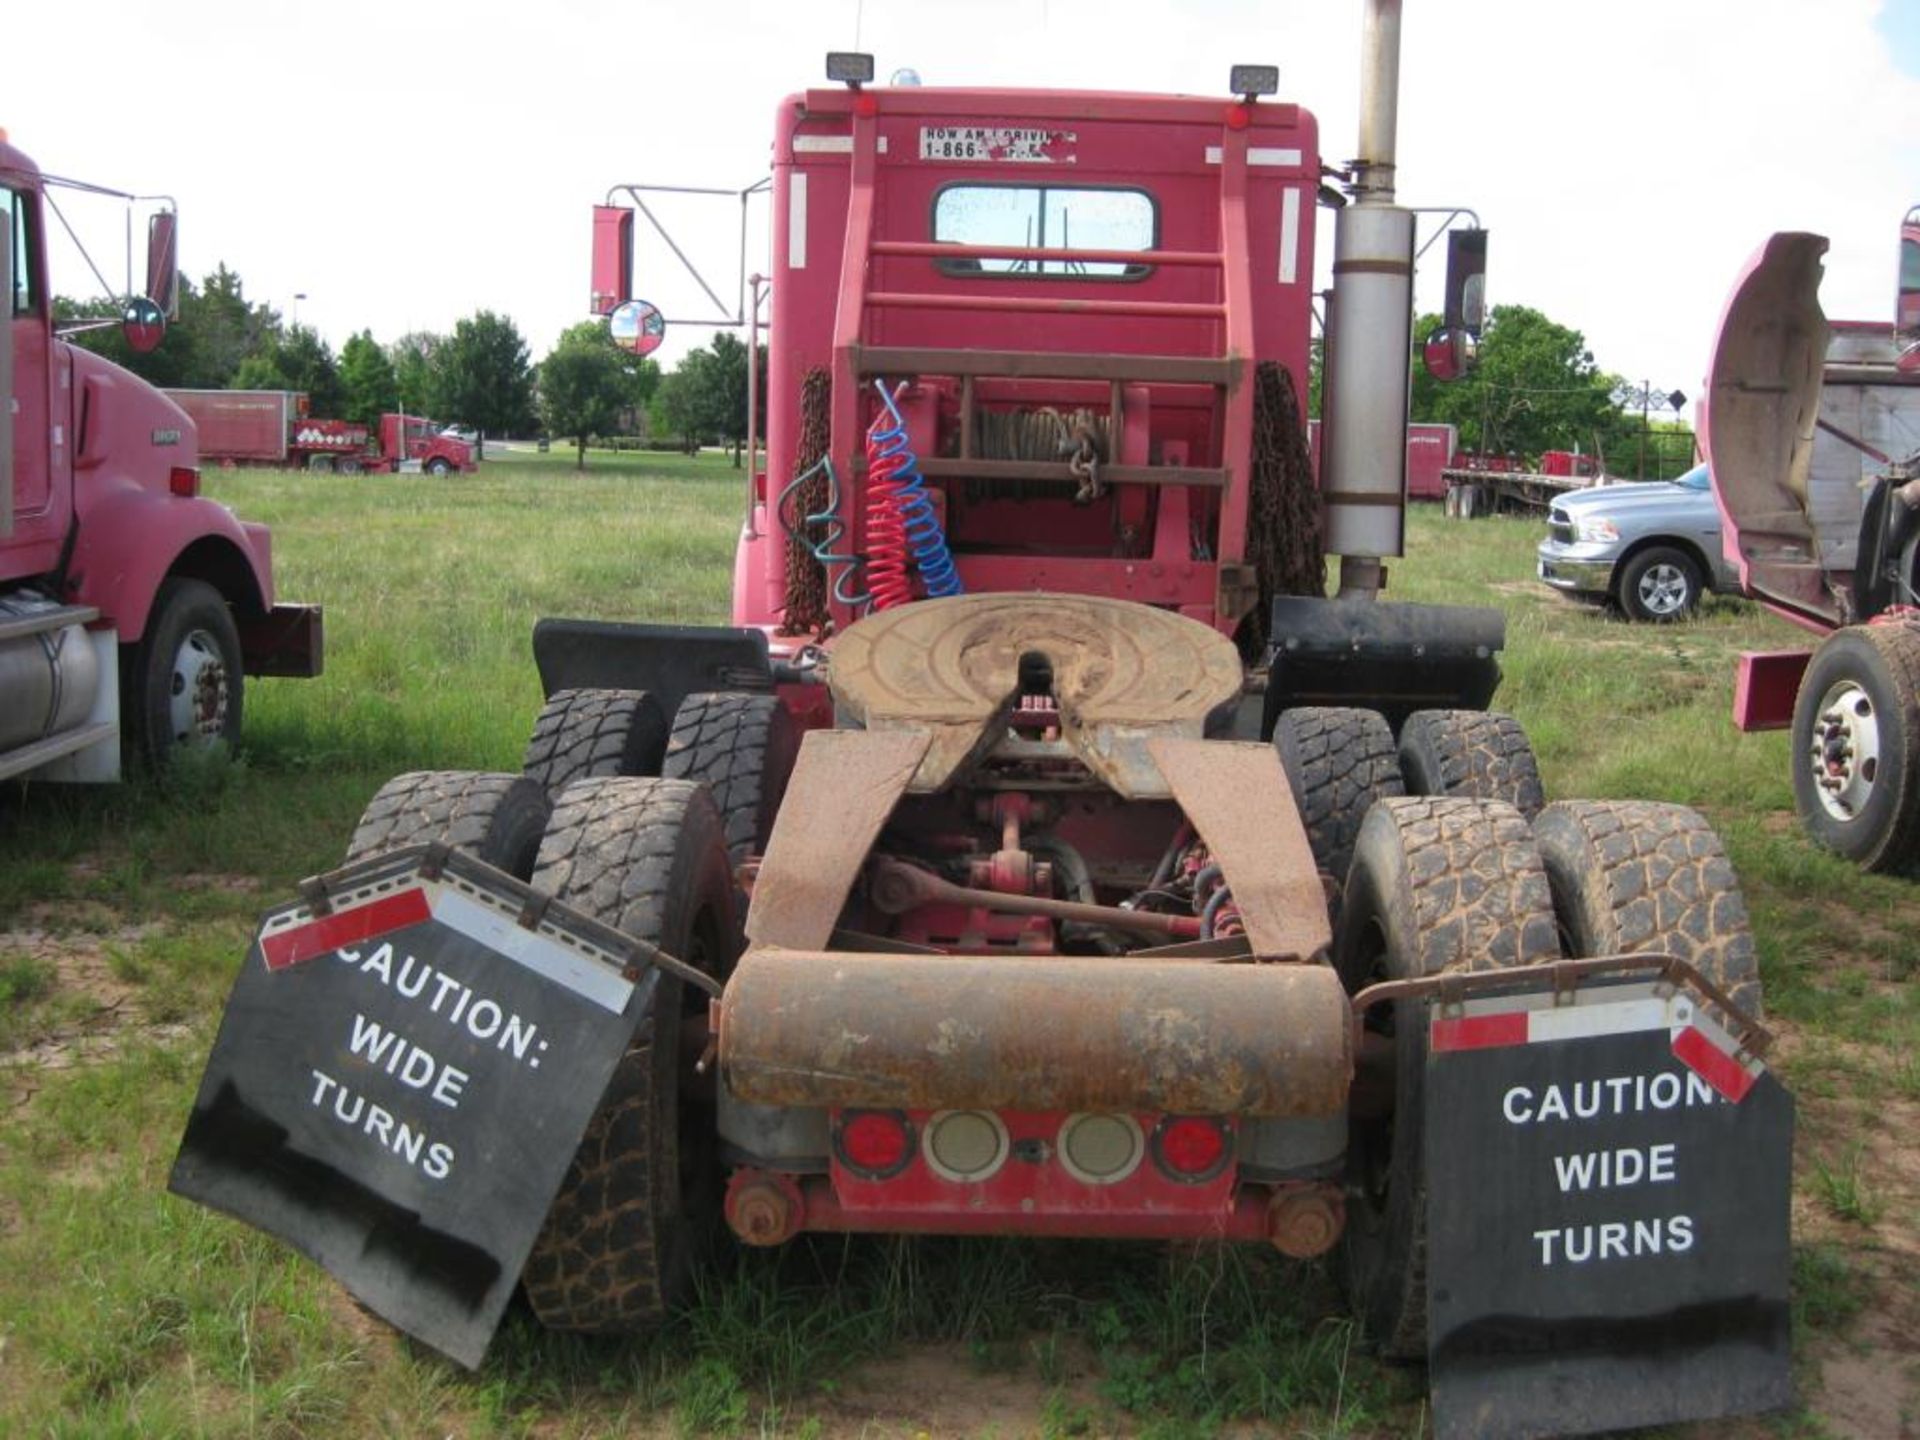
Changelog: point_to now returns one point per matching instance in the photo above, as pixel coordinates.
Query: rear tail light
(184, 481)
(874, 1144)
(1191, 1148)
(967, 1145)
(1101, 1149)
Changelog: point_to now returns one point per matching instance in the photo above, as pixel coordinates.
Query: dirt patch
(92, 1010)
(935, 1391)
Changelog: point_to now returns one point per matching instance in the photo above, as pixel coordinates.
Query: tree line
(480, 374)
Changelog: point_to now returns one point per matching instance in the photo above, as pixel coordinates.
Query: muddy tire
(1856, 727)
(1437, 885)
(1659, 585)
(1338, 762)
(495, 818)
(632, 1216)
(181, 686)
(1472, 754)
(583, 734)
(742, 747)
(1633, 877)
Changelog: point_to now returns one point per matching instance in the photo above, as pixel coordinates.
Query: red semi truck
(1813, 431)
(1035, 853)
(130, 606)
(272, 427)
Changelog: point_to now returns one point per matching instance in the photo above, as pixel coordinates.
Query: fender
(131, 531)
(131, 539)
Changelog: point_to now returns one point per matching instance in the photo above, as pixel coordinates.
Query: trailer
(274, 427)
(1813, 432)
(1042, 851)
(1430, 452)
(132, 608)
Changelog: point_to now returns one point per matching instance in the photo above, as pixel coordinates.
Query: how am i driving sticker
(996, 143)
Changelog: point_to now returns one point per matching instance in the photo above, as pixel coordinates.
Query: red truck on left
(273, 427)
(130, 606)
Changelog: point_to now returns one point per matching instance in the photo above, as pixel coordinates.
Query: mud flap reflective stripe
(399, 1084)
(1608, 1186)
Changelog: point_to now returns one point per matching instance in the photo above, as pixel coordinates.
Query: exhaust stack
(1370, 333)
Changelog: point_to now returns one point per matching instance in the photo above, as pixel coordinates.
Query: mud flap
(406, 1064)
(1389, 657)
(669, 662)
(1609, 1179)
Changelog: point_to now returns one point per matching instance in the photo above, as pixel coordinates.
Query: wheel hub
(1845, 751)
(198, 698)
(1663, 589)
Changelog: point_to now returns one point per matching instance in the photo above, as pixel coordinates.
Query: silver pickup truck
(1650, 548)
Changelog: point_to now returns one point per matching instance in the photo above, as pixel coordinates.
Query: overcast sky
(406, 163)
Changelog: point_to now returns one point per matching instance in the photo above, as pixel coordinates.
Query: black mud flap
(1391, 658)
(669, 662)
(1609, 1179)
(405, 1067)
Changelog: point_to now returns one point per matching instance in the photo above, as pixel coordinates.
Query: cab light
(184, 481)
(874, 1144)
(1191, 1148)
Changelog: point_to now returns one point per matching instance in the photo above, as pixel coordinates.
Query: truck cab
(130, 606)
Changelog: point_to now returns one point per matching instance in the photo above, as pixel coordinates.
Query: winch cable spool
(806, 609)
(1286, 536)
(1080, 436)
(903, 529)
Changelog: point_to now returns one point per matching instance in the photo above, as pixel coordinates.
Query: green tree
(1536, 388)
(307, 362)
(678, 404)
(412, 359)
(218, 329)
(482, 377)
(589, 385)
(367, 380)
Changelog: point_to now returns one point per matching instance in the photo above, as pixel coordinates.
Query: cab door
(39, 434)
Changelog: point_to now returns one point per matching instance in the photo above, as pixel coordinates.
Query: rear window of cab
(1046, 217)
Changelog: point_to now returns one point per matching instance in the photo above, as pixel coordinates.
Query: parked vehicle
(1651, 548)
(273, 427)
(1814, 433)
(1033, 721)
(131, 608)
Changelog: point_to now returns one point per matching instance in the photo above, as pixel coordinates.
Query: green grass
(124, 911)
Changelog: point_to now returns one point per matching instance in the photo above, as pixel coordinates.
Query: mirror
(163, 262)
(1906, 313)
(637, 326)
(1449, 354)
(1466, 307)
(144, 324)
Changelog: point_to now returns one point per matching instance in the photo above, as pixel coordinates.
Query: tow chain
(1285, 538)
(806, 611)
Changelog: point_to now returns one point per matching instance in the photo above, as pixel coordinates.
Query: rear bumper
(289, 640)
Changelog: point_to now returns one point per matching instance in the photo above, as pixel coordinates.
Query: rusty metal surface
(1068, 1033)
(844, 786)
(1238, 798)
(1122, 672)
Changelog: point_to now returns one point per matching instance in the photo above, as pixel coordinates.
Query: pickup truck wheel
(1633, 877)
(1338, 762)
(1478, 754)
(742, 746)
(1437, 885)
(1856, 746)
(631, 1218)
(584, 733)
(181, 686)
(437, 466)
(1658, 585)
(495, 818)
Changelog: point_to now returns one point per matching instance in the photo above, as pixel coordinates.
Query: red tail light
(1191, 1148)
(184, 481)
(874, 1144)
